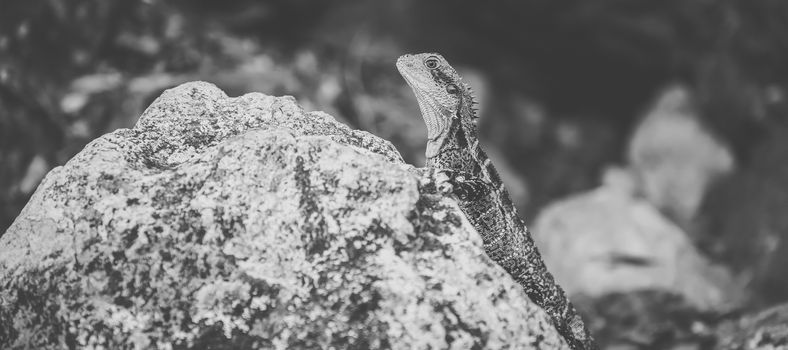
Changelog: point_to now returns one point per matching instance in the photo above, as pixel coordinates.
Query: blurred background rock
(609, 109)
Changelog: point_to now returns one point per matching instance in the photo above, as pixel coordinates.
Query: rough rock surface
(607, 241)
(248, 223)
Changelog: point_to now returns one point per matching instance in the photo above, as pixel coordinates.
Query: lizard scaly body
(453, 151)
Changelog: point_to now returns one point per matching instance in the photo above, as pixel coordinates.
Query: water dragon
(461, 168)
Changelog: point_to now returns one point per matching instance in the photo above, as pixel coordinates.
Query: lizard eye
(452, 89)
(431, 63)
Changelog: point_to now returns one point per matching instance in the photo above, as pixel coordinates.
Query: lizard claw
(445, 188)
(436, 180)
(443, 182)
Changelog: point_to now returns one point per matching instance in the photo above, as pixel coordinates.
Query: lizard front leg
(463, 185)
(470, 188)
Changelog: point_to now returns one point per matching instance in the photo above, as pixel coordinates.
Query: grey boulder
(244, 223)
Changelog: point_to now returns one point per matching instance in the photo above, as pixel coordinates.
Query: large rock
(607, 241)
(246, 222)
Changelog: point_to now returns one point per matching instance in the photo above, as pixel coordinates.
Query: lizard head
(443, 99)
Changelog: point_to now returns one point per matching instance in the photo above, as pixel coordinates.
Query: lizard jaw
(437, 126)
(436, 117)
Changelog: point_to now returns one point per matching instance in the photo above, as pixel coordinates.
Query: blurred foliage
(561, 82)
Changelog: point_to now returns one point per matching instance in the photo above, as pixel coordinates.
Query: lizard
(459, 167)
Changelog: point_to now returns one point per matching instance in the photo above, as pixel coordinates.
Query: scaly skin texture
(465, 171)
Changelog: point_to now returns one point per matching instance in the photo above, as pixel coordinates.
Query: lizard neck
(457, 149)
(460, 150)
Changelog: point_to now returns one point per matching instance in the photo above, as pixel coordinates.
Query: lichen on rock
(248, 222)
